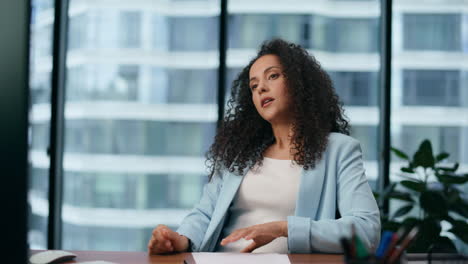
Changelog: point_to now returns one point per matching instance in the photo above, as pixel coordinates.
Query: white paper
(244, 258)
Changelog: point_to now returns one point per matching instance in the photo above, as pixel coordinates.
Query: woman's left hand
(260, 234)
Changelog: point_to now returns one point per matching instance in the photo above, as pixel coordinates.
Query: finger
(161, 248)
(251, 247)
(151, 242)
(168, 245)
(156, 230)
(173, 237)
(159, 244)
(236, 235)
(159, 228)
(250, 235)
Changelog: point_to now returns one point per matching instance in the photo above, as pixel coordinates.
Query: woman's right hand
(164, 240)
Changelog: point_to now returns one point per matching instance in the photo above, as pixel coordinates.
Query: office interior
(101, 101)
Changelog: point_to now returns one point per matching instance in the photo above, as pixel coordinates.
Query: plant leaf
(376, 195)
(429, 232)
(423, 156)
(414, 185)
(460, 229)
(410, 222)
(402, 211)
(459, 207)
(391, 226)
(433, 203)
(452, 179)
(442, 156)
(399, 153)
(407, 170)
(453, 169)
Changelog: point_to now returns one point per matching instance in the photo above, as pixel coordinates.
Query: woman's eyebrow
(269, 68)
(266, 70)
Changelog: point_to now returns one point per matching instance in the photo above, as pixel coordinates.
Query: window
(432, 32)
(344, 34)
(428, 83)
(443, 139)
(248, 31)
(77, 32)
(42, 22)
(356, 88)
(431, 87)
(193, 33)
(135, 110)
(141, 99)
(91, 82)
(192, 86)
(130, 27)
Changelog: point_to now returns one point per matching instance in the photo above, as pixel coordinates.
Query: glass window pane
(141, 101)
(429, 84)
(428, 31)
(42, 23)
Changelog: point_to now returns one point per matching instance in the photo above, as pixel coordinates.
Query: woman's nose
(262, 88)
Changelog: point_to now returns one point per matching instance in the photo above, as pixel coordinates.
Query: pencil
(410, 237)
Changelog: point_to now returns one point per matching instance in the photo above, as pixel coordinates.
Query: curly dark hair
(244, 135)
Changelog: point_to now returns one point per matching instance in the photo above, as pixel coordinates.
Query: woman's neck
(283, 134)
(281, 149)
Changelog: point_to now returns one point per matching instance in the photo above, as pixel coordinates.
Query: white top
(267, 193)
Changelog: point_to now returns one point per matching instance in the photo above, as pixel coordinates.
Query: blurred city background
(141, 97)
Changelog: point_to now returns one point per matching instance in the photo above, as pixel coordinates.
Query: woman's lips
(267, 103)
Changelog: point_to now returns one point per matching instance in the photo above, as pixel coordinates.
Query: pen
(397, 253)
(353, 242)
(346, 248)
(384, 242)
(393, 242)
(361, 250)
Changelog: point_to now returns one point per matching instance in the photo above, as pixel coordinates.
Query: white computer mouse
(49, 256)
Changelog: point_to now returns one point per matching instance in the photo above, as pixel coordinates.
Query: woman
(285, 177)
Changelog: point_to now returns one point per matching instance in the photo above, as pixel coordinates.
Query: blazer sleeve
(356, 204)
(195, 224)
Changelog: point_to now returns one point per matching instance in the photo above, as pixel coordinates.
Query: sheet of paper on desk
(236, 258)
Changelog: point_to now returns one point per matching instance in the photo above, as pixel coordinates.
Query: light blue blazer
(338, 182)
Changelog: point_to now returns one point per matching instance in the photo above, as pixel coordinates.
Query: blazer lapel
(310, 192)
(231, 184)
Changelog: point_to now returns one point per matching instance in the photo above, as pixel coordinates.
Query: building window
(431, 87)
(344, 34)
(248, 31)
(129, 29)
(366, 136)
(193, 33)
(192, 86)
(443, 139)
(77, 33)
(356, 88)
(103, 82)
(432, 32)
(148, 137)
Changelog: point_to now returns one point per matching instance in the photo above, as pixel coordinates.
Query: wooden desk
(144, 258)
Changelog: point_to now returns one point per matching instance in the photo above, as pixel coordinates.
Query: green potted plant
(433, 190)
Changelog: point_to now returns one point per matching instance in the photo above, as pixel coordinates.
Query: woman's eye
(253, 87)
(274, 76)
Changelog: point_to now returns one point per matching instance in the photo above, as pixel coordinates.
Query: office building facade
(141, 97)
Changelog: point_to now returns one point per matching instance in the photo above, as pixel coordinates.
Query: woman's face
(269, 92)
